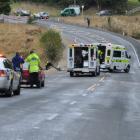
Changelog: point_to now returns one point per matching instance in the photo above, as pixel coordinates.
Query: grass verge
(21, 38)
(36, 7)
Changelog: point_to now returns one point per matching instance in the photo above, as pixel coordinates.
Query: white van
(83, 58)
(71, 11)
(114, 57)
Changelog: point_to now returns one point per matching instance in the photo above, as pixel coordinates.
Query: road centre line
(102, 79)
(92, 88)
(84, 95)
(74, 102)
(52, 117)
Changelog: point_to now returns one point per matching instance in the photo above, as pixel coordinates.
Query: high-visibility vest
(34, 62)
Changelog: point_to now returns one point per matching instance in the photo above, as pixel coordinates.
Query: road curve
(79, 108)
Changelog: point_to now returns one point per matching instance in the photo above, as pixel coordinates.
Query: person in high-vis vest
(100, 53)
(34, 67)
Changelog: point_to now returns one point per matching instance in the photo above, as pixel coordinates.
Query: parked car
(9, 79)
(41, 15)
(104, 13)
(21, 12)
(25, 80)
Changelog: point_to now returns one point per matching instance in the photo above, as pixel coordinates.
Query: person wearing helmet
(34, 68)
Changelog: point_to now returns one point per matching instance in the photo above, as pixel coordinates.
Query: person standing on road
(17, 61)
(88, 22)
(100, 53)
(34, 67)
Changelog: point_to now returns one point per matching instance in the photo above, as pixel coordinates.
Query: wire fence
(13, 19)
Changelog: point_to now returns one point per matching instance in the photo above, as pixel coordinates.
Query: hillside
(22, 38)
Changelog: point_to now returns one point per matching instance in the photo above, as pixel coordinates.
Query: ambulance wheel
(94, 73)
(71, 74)
(42, 83)
(98, 73)
(127, 69)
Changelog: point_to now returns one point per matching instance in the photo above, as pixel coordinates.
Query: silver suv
(9, 79)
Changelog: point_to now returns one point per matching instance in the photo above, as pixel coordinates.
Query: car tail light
(3, 73)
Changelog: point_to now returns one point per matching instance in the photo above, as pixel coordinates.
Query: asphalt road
(78, 108)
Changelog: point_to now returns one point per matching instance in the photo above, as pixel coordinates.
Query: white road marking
(101, 80)
(93, 89)
(135, 53)
(52, 117)
(84, 95)
(132, 72)
(72, 103)
(36, 127)
(93, 86)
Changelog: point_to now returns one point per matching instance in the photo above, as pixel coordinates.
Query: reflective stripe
(119, 48)
(81, 45)
(34, 62)
(122, 61)
(107, 58)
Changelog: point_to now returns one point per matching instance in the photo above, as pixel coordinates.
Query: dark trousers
(34, 78)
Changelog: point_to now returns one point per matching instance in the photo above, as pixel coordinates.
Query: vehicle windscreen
(117, 54)
(25, 66)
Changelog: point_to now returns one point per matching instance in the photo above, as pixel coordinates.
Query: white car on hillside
(41, 15)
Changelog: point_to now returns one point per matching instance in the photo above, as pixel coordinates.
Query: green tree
(51, 41)
(5, 7)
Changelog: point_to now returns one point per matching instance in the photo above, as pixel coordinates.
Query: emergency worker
(34, 68)
(100, 53)
(17, 61)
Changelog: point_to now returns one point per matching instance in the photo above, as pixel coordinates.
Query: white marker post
(82, 9)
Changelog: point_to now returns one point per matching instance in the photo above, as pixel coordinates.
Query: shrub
(136, 35)
(30, 20)
(51, 41)
(5, 7)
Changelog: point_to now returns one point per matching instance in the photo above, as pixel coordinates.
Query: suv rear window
(117, 54)
(25, 66)
(7, 64)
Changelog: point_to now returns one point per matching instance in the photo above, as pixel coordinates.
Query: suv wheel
(98, 73)
(42, 83)
(17, 91)
(71, 74)
(94, 73)
(9, 92)
(127, 69)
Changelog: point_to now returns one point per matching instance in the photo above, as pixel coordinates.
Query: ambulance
(113, 57)
(83, 58)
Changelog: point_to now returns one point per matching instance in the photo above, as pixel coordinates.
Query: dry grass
(34, 8)
(22, 38)
(126, 24)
